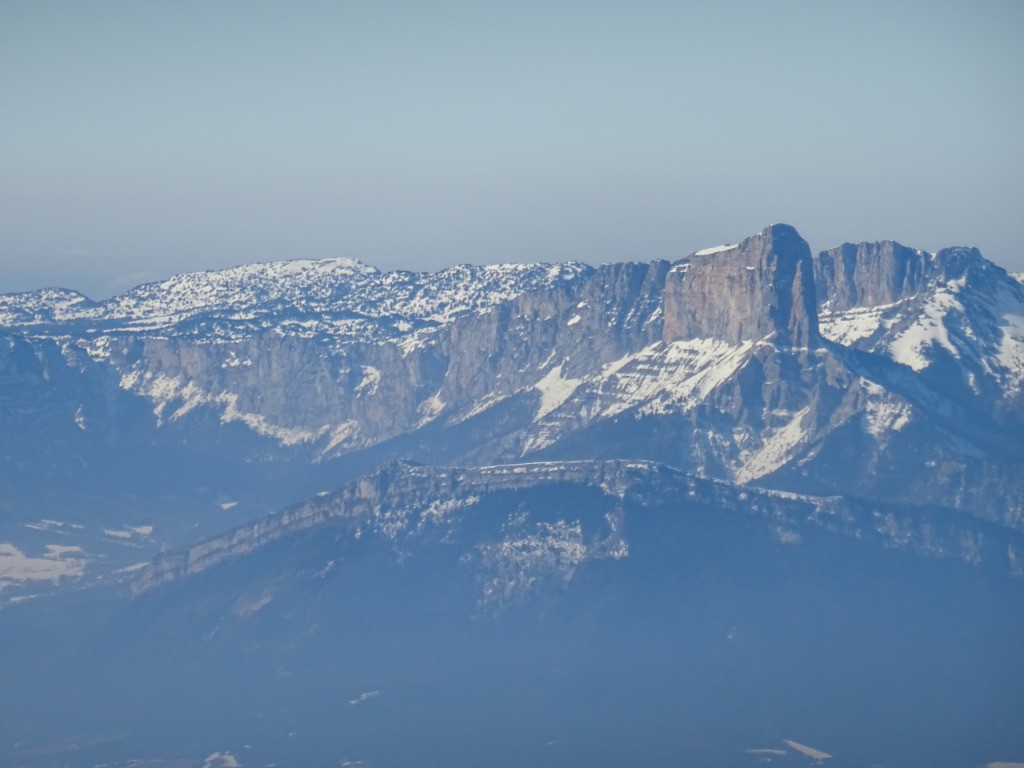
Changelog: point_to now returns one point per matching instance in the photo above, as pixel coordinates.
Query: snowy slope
(305, 298)
(967, 315)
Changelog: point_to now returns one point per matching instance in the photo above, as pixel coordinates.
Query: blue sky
(140, 139)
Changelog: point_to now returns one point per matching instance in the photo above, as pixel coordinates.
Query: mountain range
(483, 468)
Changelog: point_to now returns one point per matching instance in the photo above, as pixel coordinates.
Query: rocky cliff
(869, 274)
(762, 288)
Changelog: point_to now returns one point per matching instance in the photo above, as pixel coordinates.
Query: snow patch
(370, 381)
(246, 607)
(52, 525)
(884, 412)
(1009, 313)
(487, 402)
(811, 752)
(57, 551)
(345, 435)
(430, 409)
(853, 325)
(928, 330)
(287, 436)
(715, 249)
(777, 449)
(133, 568)
(362, 697)
(662, 377)
(16, 566)
(554, 390)
(610, 369)
(221, 760)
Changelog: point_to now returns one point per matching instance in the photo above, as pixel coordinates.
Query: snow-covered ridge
(47, 305)
(967, 309)
(333, 297)
(917, 307)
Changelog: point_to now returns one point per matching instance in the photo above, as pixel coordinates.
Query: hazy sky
(143, 138)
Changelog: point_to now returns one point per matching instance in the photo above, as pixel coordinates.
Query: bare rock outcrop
(869, 274)
(762, 288)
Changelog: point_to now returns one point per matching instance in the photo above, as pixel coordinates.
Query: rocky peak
(869, 274)
(762, 288)
(961, 262)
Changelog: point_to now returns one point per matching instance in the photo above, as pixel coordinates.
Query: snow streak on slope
(658, 379)
(554, 390)
(777, 449)
(929, 329)
(979, 323)
(884, 413)
(1008, 311)
(853, 325)
(165, 390)
(668, 376)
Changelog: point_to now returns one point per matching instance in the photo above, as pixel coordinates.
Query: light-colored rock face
(866, 275)
(762, 288)
(869, 274)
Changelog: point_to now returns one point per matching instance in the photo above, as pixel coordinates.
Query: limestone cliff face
(762, 288)
(615, 313)
(869, 274)
(330, 399)
(877, 274)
